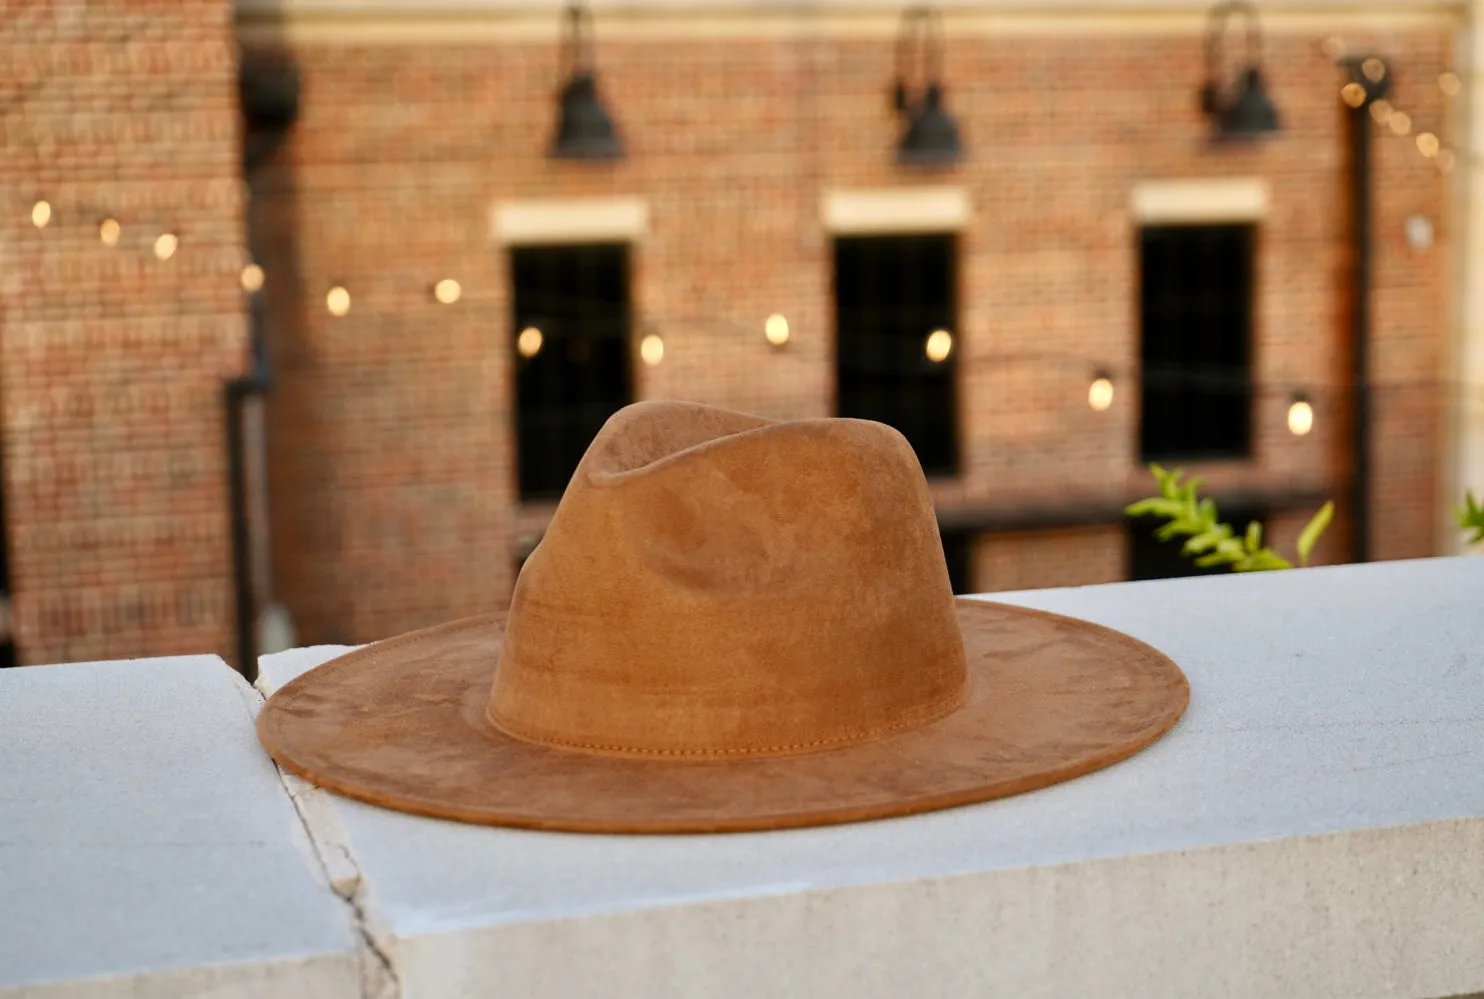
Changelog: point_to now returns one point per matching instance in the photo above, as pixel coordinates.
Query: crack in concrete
(342, 875)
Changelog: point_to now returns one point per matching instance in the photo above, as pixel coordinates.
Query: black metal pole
(1360, 331)
(1369, 81)
(237, 391)
(257, 382)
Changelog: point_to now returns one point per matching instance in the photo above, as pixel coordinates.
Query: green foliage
(1471, 518)
(1209, 540)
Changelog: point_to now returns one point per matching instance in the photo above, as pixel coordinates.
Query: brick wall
(111, 360)
(393, 490)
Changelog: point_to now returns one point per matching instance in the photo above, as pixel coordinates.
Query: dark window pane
(958, 551)
(1196, 300)
(891, 294)
(577, 297)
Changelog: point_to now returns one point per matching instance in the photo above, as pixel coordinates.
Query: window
(1196, 341)
(958, 551)
(571, 347)
(1149, 558)
(896, 307)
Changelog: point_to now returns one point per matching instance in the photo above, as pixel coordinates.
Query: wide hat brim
(401, 724)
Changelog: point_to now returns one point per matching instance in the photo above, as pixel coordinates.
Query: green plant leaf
(1218, 557)
(1254, 537)
(1156, 506)
(1471, 517)
(1262, 560)
(1206, 540)
(1309, 536)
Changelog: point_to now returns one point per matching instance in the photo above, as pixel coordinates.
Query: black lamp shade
(585, 130)
(931, 138)
(1251, 112)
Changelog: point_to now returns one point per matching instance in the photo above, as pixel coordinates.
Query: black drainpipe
(268, 96)
(1360, 190)
(257, 382)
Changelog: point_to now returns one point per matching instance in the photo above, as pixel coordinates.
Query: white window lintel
(1218, 199)
(570, 220)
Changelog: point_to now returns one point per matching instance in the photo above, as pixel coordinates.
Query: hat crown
(715, 585)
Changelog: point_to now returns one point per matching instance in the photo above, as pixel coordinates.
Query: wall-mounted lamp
(528, 344)
(337, 301)
(938, 346)
(931, 137)
(1300, 415)
(1100, 392)
(1243, 110)
(585, 129)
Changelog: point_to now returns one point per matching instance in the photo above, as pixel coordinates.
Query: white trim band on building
(1220, 199)
(570, 220)
(896, 210)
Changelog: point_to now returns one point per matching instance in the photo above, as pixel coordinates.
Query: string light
(1445, 160)
(1353, 94)
(939, 345)
(1427, 144)
(109, 231)
(1374, 69)
(252, 278)
(41, 214)
(166, 246)
(1381, 111)
(776, 330)
(337, 300)
(1401, 122)
(652, 349)
(447, 291)
(1100, 393)
(1450, 84)
(528, 344)
(1300, 416)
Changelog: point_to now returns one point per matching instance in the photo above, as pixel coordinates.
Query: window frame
(953, 467)
(547, 315)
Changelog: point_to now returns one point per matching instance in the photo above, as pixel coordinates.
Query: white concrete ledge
(1313, 827)
(148, 849)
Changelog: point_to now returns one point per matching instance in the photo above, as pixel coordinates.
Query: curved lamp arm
(1220, 14)
(577, 40)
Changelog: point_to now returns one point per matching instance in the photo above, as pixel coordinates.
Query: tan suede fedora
(731, 624)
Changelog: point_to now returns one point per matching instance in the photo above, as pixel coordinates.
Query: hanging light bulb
(652, 349)
(108, 232)
(938, 346)
(41, 214)
(528, 344)
(337, 300)
(1100, 392)
(166, 246)
(447, 291)
(1300, 415)
(776, 330)
(252, 278)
